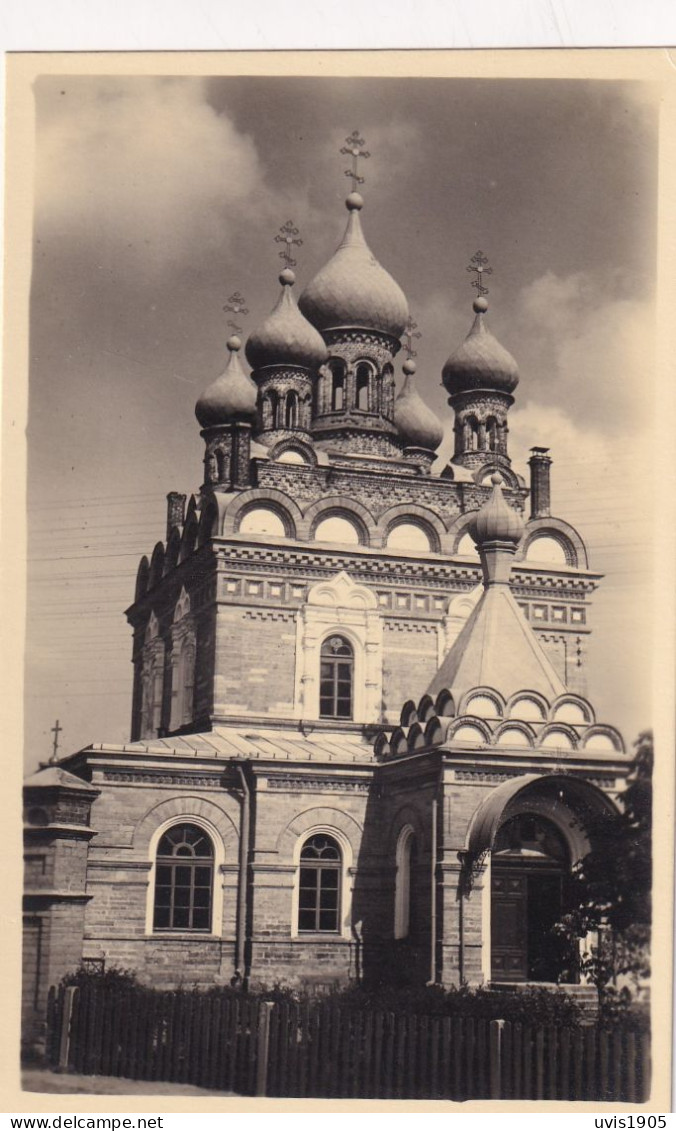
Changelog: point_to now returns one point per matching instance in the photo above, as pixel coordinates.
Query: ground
(43, 1080)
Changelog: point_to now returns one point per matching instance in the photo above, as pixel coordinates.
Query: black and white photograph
(342, 497)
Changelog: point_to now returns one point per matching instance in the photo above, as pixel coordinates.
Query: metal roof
(256, 741)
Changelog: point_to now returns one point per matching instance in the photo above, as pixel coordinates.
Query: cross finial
(409, 335)
(287, 234)
(235, 305)
(55, 745)
(478, 264)
(355, 149)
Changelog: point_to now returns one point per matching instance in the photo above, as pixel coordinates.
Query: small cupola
(480, 362)
(231, 397)
(417, 424)
(352, 289)
(286, 337)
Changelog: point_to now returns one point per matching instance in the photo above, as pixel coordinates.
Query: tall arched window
(402, 893)
(319, 889)
(184, 873)
(363, 397)
(185, 683)
(274, 409)
(337, 673)
(337, 386)
(291, 411)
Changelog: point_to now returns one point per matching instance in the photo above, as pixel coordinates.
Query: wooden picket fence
(241, 1044)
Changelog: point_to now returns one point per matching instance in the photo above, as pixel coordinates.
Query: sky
(157, 198)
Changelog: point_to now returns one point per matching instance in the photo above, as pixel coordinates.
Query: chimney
(175, 511)
(540, 497)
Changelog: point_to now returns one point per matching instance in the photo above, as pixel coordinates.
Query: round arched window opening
(335, 528)
(262, 520)
(184, 871)
(319, 890)
(336, 679)
(409, 536)
(547, 550)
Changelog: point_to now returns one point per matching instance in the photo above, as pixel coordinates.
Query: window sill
(181, 936)
(319, 936)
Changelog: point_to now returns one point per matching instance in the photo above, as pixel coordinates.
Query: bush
(533, 1006)
(111, 978)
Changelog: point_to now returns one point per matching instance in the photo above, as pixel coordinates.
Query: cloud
(597, 346)
(142, 164)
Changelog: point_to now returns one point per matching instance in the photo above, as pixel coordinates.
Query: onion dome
(232, 396)
(496, 521)
(353, 289)
(286, 337)
(480, 362)
(417, 424)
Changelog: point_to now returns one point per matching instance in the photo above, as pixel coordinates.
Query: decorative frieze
(277, 615)
(297, 783)
(410, 626)
(151, 777)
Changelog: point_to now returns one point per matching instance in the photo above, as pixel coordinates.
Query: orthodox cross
(478, 264)
(55, 746)
(287, 234)
(235, 305)
(355, 150)
(409, 335)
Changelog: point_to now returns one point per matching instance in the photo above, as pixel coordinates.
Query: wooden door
(509, 926)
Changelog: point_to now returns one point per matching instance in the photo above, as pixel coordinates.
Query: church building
(360, 740)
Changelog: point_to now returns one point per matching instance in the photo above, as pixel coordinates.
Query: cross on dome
(355, 150)
(287, 236)
(478, 264)
(409, 335)
(235, 305)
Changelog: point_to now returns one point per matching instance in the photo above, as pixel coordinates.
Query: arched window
(337, 672)
(337, 386)
(402, 892)
(319, 889)
(185, 683)
(184, 875)
(408, 536)
(291, 411)
(262, 520)
(335, 528)
(547, 550)
(363, 387)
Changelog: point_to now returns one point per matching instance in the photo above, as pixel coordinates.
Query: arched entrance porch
(524, 839)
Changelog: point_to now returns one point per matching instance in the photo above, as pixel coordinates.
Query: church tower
(361, 313)
(480, 377)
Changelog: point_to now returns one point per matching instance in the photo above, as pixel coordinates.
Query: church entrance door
(528, 872)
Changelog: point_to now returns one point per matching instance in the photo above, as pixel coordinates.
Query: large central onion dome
(232, 396)
(480, 362)
(496, 521)
(286, 337)
(416, 423)
(353, 289)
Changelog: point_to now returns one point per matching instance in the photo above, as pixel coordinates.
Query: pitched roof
(497, 648)
(54, 775)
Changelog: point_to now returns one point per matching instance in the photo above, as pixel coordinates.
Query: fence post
(66, 1018)
(495, 1056)
(263, 1047)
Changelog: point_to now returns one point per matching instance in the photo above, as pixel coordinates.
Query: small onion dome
(496, 521)
(480, 362)
(232, 396)
(286, 338)
(417, 424)
(353, 289)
